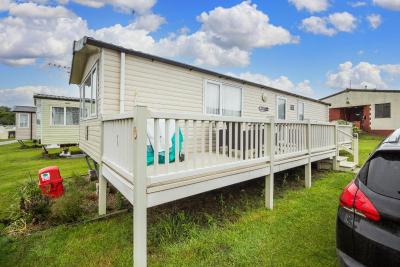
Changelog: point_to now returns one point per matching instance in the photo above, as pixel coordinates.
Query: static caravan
(373, 111)
(25, 123)
(161, 130)
(57, 119)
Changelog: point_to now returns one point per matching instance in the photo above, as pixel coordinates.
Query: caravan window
(72, 116)
(222, 99)
(23, 120)
(57, 116)
(281, 108)
(300, 109)
(89, 95)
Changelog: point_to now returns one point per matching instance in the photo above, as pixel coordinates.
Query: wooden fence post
(140, 187)
(307, 167)
(269, 179)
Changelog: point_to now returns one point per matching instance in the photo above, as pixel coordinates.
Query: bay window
(89, 95)
(222, 99)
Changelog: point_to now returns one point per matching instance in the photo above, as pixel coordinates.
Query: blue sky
(310, 47)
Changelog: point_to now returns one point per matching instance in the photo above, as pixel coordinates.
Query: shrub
(68, 208)
(33, 205)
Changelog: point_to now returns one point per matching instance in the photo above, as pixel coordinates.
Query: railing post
(140, 187)
(335, 163)
(102, 194)
(269, 179)
(355, 149)
(307, 167)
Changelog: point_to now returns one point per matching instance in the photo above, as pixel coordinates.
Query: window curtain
(231, 101)
(72, 116)
(93, 106)
(57, 115)
(212, 98)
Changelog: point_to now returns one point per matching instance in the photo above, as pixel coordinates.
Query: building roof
(55, 97)
(361, 90)
(27, 109)
(79, 45)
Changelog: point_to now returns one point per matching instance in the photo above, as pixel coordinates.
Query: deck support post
(102, 193)
(355, 149)
(269, 179)
(335, 163)
(140, 187)
(307, 170)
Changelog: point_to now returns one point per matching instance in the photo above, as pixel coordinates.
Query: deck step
(341, 158)
(347, 166)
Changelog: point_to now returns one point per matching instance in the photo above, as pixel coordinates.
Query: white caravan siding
(371, 98)
(169, 88)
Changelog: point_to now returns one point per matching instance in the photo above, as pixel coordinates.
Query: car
(368, 217)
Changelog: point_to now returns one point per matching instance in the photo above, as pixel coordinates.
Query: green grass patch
(18, 164)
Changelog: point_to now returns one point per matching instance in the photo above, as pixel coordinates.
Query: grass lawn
(227, 227)
(17, 164)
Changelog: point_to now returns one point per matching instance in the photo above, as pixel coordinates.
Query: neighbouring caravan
(161, 130)
(371, 110)
(25, 123)
(57, 119)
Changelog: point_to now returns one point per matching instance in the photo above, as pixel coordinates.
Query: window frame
(90, 115)
(65, 117)
(19, 121)
(221, 85)
(298, 112)
(277, 107)
(382, 115)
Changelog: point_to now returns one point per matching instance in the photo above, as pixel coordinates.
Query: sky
(309, 47)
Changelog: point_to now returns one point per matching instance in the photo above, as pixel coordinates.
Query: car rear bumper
(347, 261)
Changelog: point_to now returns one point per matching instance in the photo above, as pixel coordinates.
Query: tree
(6, 116)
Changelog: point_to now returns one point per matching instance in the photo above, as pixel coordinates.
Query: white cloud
(282, 82)
(149, 22)
(139, 6)
(226, 36)
(388, 4)
(32, 31)
(361, 75)
(358, 4)
(375, 20)
(4, 5)
(330, 25)
(243, 26)
(343, 22)
(317, 25)
(23, 95)
(311, 5)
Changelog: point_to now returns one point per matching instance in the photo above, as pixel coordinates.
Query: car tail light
(354, 199)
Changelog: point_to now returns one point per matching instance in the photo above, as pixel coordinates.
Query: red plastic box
(51, 182)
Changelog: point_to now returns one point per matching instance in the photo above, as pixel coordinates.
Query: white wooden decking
(218, 151)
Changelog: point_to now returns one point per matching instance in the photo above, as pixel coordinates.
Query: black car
(368, 218)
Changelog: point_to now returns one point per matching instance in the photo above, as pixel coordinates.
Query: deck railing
(208, 141)
(348, 141)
